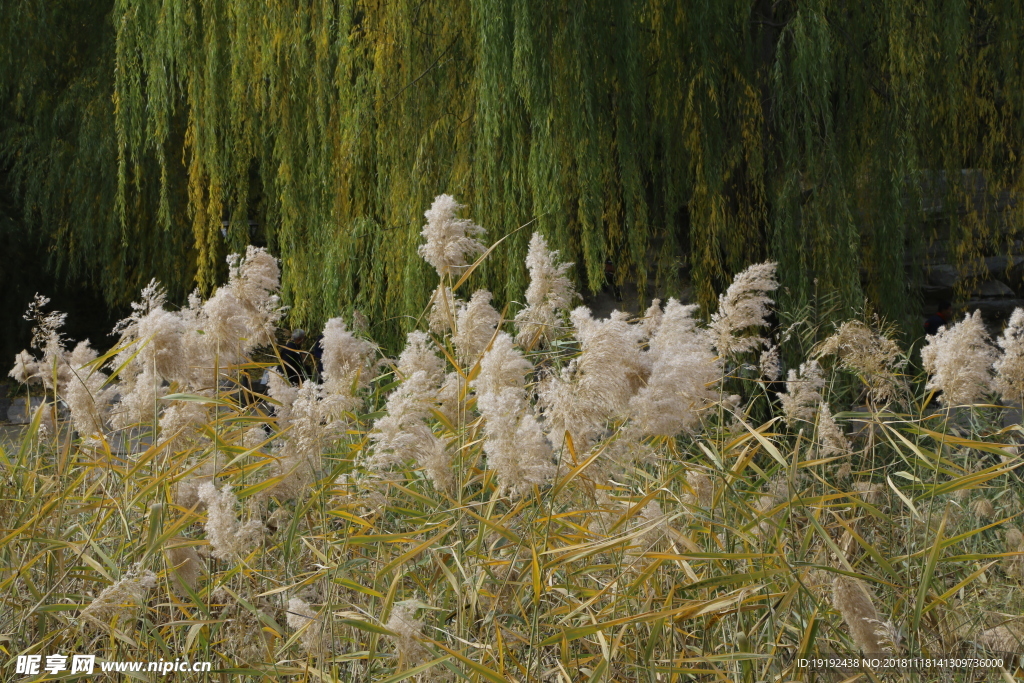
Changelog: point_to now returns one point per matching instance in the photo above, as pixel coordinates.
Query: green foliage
(658, 133)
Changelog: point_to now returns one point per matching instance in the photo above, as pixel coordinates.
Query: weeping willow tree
(661, 134)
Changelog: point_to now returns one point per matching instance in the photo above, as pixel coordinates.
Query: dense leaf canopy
(152, 138)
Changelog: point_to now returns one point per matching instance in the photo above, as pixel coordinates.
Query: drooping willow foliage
(154, 137)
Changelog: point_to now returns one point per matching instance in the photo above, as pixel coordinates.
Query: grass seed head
(121, 600)
(1002, 639)
(959, 359)
(855, 603)
(315, 639)
(870, 355)
(449, 241)
(183, 563)
(803, 393)
(1009, 367)
(228, 539)
(743, 305)
(983, 508)
(475, 325)
(407, 629)
(548, 296)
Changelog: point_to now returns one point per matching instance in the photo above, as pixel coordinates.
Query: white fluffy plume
(514, 443)
(443, 309)
(228, 539)
(1009, 380)
(475, 326)
(959, 359)
(683, 378)
(803, 393)
(550, 293)
(597, 386)
(743, 305)
(449, 240)
(348, 363)
(402, 434)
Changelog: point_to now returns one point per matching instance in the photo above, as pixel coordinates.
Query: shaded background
(857, 145)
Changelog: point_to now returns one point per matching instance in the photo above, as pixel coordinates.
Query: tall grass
(314, 532)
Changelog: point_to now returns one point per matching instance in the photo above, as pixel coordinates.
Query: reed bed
(532, 497)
